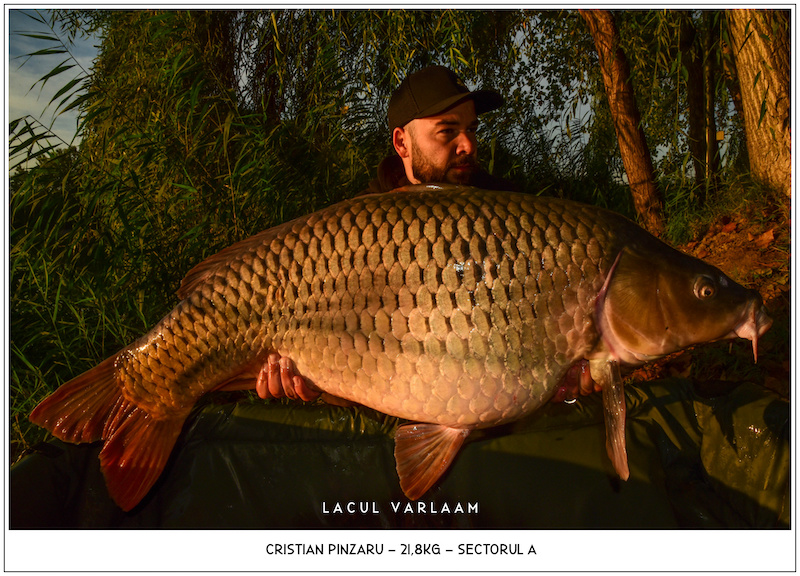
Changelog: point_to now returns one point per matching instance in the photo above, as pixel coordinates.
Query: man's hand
(577, 380)
(278, 379)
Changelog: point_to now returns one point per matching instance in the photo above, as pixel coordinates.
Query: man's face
(444, 147)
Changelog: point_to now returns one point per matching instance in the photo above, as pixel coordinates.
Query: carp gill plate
(451, 307)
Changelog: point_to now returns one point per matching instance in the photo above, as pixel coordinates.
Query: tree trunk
(731, 79)
(711, 45)
(216, 37)
(627, 120)
(695, 97)
(761, 42)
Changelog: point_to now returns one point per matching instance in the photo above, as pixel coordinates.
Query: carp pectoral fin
(91, 407)
(606, 373)
(423, 452)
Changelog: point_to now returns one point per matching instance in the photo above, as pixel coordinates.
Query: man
(433, 117)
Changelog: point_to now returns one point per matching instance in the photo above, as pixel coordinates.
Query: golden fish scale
(461, 308)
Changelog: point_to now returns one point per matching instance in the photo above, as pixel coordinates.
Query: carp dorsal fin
(207, 267)
(423, 452)
(606, 373)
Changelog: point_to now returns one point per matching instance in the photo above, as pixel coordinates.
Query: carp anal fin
(91, 407)
(423, 452)
(606, 372)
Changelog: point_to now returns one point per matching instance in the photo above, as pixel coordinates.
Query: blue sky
(23, 97)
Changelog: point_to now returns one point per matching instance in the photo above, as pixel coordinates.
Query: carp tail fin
(91, 407)
(78, 410)
(135, 453)
(423, 452)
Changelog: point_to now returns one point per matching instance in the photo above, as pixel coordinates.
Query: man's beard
(424, 171)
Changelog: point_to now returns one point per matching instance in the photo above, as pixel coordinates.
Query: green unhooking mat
(695, 462)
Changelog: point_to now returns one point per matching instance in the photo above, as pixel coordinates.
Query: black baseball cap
(433, 90)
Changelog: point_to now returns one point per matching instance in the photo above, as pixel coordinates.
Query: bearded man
(433, 117)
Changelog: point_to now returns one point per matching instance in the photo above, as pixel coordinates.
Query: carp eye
(704, 288)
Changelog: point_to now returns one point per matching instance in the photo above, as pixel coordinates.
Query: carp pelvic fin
(91, 407)
(423, 452)
(606, 372)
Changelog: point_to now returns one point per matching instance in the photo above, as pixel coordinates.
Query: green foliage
(69, 304)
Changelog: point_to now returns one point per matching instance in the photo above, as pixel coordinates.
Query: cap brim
(485, 101)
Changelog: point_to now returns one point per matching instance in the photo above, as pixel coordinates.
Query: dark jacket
(392, 174)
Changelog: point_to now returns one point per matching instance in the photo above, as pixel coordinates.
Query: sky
(25, 97)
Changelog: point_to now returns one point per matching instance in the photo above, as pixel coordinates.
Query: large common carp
(451, 307)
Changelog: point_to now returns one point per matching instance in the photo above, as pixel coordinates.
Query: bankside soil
(754, 249)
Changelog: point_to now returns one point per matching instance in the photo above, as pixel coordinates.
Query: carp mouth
(756, 322)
